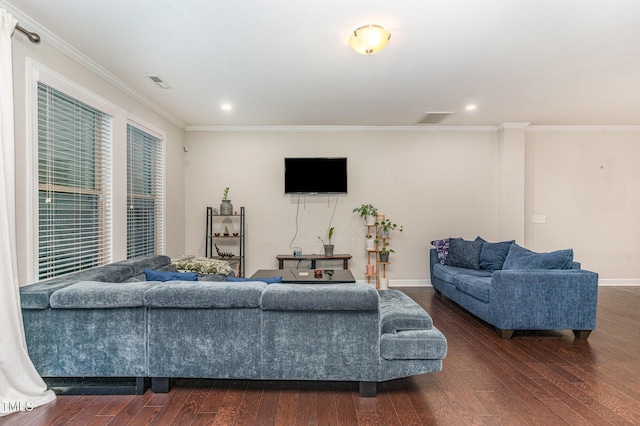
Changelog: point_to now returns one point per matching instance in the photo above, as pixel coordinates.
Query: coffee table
(306, 276)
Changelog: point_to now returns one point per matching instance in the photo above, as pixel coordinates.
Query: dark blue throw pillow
(152, 275)
(492, 255)
(521, 258)
(272, 280)
(464, 254)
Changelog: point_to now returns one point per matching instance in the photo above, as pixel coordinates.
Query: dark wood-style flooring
(537, 378)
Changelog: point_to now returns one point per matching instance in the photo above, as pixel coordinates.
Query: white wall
(584, 180)
(435, 184)
(45, 55)
(587, 184)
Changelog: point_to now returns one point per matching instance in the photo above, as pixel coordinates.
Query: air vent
(434, 117)
(157, 80)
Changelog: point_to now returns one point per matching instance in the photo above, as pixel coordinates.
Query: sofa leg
(368, 389)
(141, 385)
(505, 334)
(582, 334)
(160, 384)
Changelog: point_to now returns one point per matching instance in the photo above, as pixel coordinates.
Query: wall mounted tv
(315, 175)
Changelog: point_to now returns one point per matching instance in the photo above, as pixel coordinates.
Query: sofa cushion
(319, 297)
(152, 275)
(36, 296)
(477, 287)
(138, 264)
(398, 312)
(464, 254)
(413, 344)
(521, 258)
(207, 294)
(447, 273)
(94, 294)
(492, 255)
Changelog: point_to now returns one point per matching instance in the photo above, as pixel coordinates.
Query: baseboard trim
(619, 282)
(607, 282)
(409, 283)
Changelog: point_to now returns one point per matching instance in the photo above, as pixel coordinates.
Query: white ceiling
(288, 62)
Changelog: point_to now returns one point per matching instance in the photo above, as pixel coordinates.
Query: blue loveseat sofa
(513, 288)
(108, 322)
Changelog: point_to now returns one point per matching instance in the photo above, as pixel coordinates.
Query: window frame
(74, 178)
(36, 72)
(159, 185)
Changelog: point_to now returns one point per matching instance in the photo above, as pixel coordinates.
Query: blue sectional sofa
(513, 288)
(108, 322)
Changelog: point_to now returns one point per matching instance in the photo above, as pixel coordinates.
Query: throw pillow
(492, 255)
(442, 248)
(464, 254)
(521, 258)
(272, 280)
(152, 275)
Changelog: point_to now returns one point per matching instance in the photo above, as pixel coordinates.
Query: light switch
(539, 218)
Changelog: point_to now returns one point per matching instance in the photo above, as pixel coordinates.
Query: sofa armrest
(433, 259)
(544, 299)
(398, 312)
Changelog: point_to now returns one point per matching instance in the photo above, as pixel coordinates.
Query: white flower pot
(370, 244)
(370, 220)
(384, 283)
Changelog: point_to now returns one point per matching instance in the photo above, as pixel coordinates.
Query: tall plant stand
(379, 268)
(229, 232)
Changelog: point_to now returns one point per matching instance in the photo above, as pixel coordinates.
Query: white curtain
(21, 388)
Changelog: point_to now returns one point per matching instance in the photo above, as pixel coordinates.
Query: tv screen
(315, 175)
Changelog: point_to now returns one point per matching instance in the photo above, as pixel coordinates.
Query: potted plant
(370, 242)
(384, 252)
(385, 226)
(226, 208)
(328, 248)
(368, 212)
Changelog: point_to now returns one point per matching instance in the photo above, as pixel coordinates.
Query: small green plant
(366, 210)
(385, 226)
(225, 193)
(384, 248)
(329, 235)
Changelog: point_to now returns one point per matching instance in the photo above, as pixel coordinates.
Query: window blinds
(144, 193)
(74, 181)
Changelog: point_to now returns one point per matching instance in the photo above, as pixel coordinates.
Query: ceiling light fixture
(470, 107)
(369, 39)
(226, 107)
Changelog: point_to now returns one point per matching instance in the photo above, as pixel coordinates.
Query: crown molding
(206, 128)
(592, 128)
(505, 126)
(57, 43)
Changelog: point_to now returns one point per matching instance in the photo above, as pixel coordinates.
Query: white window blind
(144, 193)
(74, 145)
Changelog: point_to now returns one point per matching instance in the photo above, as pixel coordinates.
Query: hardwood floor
(537, 378)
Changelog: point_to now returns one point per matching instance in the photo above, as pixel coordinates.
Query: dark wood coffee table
(306, 276)
(313, 258)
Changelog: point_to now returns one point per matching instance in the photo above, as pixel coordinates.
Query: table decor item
(226, 208)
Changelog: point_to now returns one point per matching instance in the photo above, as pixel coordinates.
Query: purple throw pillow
(442, 248)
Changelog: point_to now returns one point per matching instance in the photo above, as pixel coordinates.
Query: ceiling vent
(157, 80)
(434, 117)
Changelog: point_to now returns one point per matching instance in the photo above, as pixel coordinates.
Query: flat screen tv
(315, 175)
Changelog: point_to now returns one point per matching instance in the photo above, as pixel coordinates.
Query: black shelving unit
(215, 225)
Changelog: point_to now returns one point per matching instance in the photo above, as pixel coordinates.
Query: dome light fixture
(369, 39)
